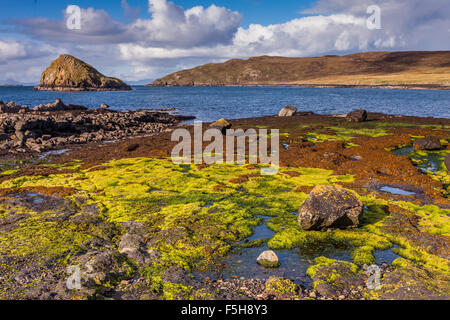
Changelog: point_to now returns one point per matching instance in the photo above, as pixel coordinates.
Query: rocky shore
(354, 192)
(57, 125)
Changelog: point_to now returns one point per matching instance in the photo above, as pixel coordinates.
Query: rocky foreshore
(57, 125)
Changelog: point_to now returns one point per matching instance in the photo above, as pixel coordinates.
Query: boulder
(447, 162)
(222, 124)
(357, 116)
(288, 111)
(330, 207)
(428, 143)
(268, 259)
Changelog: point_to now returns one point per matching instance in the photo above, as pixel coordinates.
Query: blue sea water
(212, 103)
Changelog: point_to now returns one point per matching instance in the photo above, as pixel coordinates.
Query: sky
(139, 40)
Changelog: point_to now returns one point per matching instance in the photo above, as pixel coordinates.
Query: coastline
(88, 201)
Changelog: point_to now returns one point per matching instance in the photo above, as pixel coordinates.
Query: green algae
(192, 222)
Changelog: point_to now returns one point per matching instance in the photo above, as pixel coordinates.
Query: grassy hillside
(397, 69)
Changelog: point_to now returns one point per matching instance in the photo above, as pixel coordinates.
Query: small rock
(222, 124)
(357, 116)
(341, 297)
(428, 143)
(288, 111)
(312, 295)
(268, 259)
(104, 106)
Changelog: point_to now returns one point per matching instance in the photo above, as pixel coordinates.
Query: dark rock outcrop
(357, 116)
(56, 125)
(68, 73)
(428, 143)
(330, 207)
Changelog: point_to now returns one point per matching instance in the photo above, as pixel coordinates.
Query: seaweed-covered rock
(68, 73)
(428, 143)
(288, 111)
(282, 289)
(357, 116)
(330, 207)
(268, 259)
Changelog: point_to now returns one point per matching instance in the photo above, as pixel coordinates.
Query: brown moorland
(415, 69)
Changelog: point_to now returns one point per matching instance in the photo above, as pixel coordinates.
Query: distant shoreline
(319, 86)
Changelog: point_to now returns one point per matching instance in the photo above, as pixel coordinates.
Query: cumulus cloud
(170, 26)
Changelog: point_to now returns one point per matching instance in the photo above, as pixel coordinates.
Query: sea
(212, 103)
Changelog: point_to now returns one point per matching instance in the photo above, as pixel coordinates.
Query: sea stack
(68, 73)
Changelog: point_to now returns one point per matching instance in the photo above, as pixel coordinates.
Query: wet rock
(330, 207)
(133, 245)
(428, 143)
(222, 124)
(288, 111)
(104, 106)
(268, 259)
(357, 116)
(447, 162)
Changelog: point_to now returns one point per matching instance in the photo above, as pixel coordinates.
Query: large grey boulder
(288, 111)
(330, 207)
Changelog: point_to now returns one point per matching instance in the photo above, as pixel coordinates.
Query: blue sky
(140, 40)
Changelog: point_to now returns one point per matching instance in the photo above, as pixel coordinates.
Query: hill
(68, 73)
(371, 69)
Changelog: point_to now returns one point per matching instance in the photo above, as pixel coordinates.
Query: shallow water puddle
(386, 256)
(397, 191)
(429, 162)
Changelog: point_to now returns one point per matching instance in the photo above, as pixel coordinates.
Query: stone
(288, 111)
(104, 106)
(222, 124)
(268, 259)
(4, 137)
(428, 143)
(357, 116)
(330, 207)
(447, 162)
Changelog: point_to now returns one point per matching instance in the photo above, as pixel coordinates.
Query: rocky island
(400, 70)
(68, 73)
